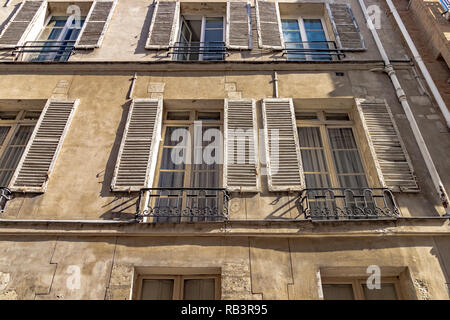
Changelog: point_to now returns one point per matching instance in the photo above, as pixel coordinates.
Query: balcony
(5, 195)
(182, 204)
(198, 51)
(344, 204)
(312, 51)
(45, 51)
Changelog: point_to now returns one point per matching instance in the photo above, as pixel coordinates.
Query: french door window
(201, 38)
(58, 38)
(305, 35)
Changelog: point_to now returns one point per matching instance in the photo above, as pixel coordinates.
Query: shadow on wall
(140, 48)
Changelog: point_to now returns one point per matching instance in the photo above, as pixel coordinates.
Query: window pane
(171, 180)
(11, 157)
(173, 158)
(3, 133)
(199, 289)
(177, 115)
(209, 116)
(158, 289)
(338, 292)
(386, 292)
(214, 23)
(337, 116)
(8, 115)
(176, 136)
(292, 36)
(213, 36)
(289, 24)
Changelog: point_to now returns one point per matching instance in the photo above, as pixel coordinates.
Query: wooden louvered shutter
(240, 171)
(391, 159)
(164, 25)
(284, 162)
(96, 24)
(16, 30)
(239, 31)
(345, 27)
(139, 148)
(268, 22)
(39, 158)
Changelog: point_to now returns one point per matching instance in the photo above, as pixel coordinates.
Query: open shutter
(39, 158)
(15, 32)
(240, 171)
(96, 24)
(391, 159)
(284, 162)
(268, 21)
(164, 25)
(345, 27)
(239, 31)
(136, 162)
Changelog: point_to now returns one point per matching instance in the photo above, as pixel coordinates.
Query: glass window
(356, 289)
(293, 39)
(338, 292)
(316, 38)
(199, 289)
(157, 289)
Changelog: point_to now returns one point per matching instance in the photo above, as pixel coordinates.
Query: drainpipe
(419, 61)
(130, 92)
(404, 102)
(275, 84)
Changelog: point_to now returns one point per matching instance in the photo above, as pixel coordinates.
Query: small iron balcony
(342, 203)
(183, 204)
(5, 195)
(312, 51)
(43, 51)
(198, 51)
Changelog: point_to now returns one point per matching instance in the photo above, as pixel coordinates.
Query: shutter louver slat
(345, 27)
(15, 31)
(284, 164)
(238, 25)
(40, 155)
(392, 161)
(269, 25)
(96, 24)
(139, 146)
(164, 25)
(241, 154)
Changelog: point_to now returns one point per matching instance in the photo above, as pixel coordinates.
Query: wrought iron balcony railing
(195, 51)
(5, 195)
(312, 50)
(42, 51)
(342, 203)
(183, 204)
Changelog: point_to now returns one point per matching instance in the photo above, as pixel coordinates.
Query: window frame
(323, 126)
(302, 30)
(14, 125)
(357, 285)
(178, 285)
(182, 19)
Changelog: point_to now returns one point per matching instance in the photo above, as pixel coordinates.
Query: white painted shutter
(345, 27)
(136, 161)
(239, 31)
(241, 167)
(391, 159)
(164, 25)
(283, 156)
(15, 32)
(268, 21)
(39, 158)
(96, 24)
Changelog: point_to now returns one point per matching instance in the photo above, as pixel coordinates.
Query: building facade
(217, 150)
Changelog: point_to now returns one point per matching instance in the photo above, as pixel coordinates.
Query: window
(179, 287)
(356, 289)
(306, 39)
(201, 38)
(16, 128)
(57, 39)
(190, 157)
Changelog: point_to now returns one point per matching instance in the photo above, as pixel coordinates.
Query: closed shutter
(37, 162)
(96, 24)
(138, 151)
(240, 172)
(345, 27)
(239, 31)
(269, 25)
(164, 25)
(284, 162)
(15, 32)
(392, 161)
